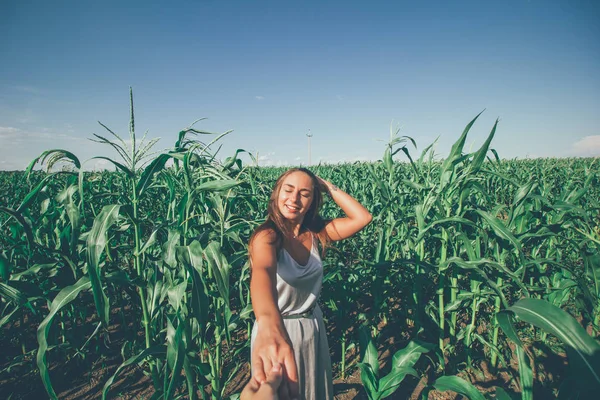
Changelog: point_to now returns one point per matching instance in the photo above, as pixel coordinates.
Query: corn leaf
(458, 385)
(64, 297)
(96, 242)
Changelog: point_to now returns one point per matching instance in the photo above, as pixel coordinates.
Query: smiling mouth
(292, 208)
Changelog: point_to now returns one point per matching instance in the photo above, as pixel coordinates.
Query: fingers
(275, 376)
(249, 390)
(259, 371)
(291, 375)
(266, 391)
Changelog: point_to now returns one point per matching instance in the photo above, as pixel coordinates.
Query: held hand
(272, 347)
(266, 391)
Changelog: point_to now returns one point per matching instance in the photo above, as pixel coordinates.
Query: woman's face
(295, 196)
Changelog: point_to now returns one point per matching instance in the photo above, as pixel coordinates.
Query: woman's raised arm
(357, 216)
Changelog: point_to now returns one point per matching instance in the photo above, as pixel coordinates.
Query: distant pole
(308, 135)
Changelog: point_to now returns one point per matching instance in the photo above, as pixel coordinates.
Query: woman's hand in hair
(357, 216)
(326, 186)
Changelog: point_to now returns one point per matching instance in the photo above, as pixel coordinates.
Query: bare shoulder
(262, 249)
(267, 235)
(263, 239)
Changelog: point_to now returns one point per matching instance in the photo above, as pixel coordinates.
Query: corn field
(473, 265)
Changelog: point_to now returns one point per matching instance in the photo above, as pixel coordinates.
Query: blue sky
(270, 71)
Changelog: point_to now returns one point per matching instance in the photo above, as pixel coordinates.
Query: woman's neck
(294, 228)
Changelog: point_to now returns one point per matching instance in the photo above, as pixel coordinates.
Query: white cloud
(18, 136)
(339, 97)
(20, 146)
(259, 97)
(588, 146)
(266, 157)
(100, 164)
(7, 132)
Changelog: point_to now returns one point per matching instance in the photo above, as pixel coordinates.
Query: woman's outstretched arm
(357, 216)
(272, 344)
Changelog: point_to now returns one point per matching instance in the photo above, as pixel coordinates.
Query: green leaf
(475, 267)
(229, 161)
(33, 194)
(151, 240)
(582, 349)
(155, 166)
(592, 268)
(153, 351)
(504, 319)
(11, 294)
(389, 383)
(408, 356)
(169, 249)
(458, 385)
(64, 297)
(65, 197)
(176, 294)
(501, 394)
(120, 166)
(369, 380)
(455, 154)
(96, 242)
(191, 257)
(154, 297)
(449, 222)
(523, 192)
(525, 373)
(7, 318)
(479, 156)
(368, 350)
(6, 267)
(499, 228)
(218, 185)
(25, 224)
(220, 269)
(387, 160)
(175, 355)
(52, 157)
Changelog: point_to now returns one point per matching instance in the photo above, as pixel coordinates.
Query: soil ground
(84, 379)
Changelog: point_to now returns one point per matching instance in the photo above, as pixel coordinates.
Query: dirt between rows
(85, 379)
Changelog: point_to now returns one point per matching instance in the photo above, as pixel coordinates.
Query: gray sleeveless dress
(298, 288)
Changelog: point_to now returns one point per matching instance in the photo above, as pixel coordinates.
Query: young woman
(286, 281)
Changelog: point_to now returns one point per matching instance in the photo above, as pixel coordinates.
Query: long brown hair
(312, 220)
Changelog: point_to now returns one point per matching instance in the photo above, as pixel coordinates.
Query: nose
(296, 197)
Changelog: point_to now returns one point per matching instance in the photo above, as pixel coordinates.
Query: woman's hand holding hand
(271, 347)
(264, 391)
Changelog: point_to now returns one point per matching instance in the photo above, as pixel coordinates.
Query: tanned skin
(272, 345)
